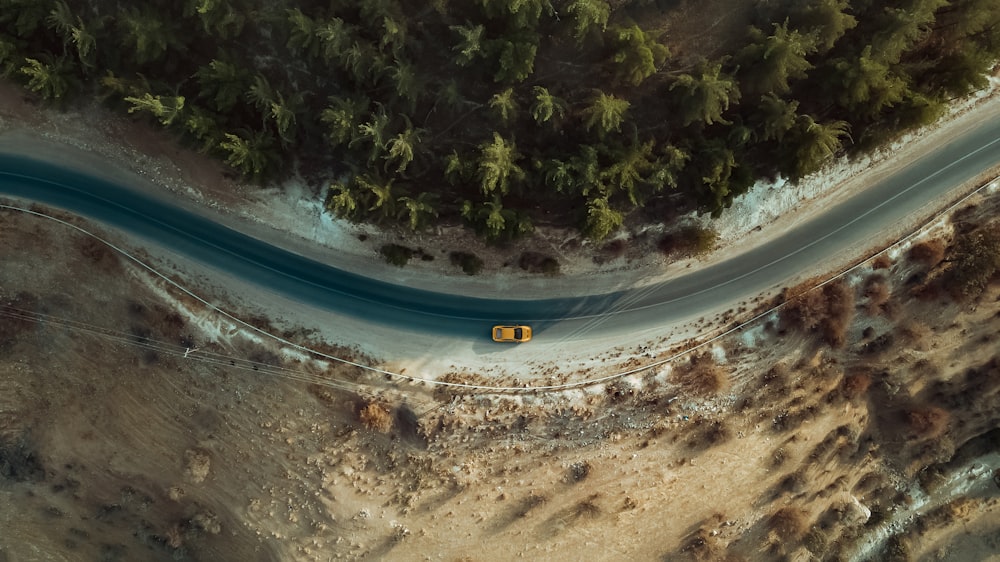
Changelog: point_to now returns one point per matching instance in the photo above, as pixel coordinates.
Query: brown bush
(611, 251)
(877, 293)
(534, 262)
(855, 386)
(98, 252)
(974, 260)
(882, 261)
(828, 310)
(927, 422)
(375, 416)
(840, 309)
(702, 378)
(788, 522)
(929, 252)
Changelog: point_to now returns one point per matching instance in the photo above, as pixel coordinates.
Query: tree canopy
(508, 113)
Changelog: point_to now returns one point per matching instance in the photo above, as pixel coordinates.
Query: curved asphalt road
(855, 224)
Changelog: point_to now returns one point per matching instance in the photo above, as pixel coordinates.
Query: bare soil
(118, 442)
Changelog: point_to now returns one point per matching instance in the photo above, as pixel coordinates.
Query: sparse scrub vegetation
(397, 254)
(927, 422)
(471, 264)
(855, 386)
(690, 241)
(973, 261)
(929, 253)
(534, 262)
(827, 310)
(702, 377)
(788, 523)
(877, 293)
(19, 461)
(578, 472)
(376, 416)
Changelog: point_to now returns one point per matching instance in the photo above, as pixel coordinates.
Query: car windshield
(498, 333)
(517, 333)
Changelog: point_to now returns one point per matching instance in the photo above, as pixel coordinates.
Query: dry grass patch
(877, 293)
(788, 523)
(927, 422)
(929, 252)
(376, 417)
(855, 386)
(882, 261)
(827, 311)
(702, 377)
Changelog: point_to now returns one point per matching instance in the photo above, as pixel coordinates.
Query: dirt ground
(118, 442)
(137, 425)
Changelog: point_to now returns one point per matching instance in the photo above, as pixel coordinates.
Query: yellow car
(518, 334)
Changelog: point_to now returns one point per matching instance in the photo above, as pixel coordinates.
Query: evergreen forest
(506, 114)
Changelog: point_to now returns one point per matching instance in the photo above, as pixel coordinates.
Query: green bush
(690, 241)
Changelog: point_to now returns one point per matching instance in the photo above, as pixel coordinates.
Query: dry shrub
(98, 253)
(578, 472)
(927, 422)
(534, 262)
(530, 502)
(690, 241)
(702, 378)
(611, 251)
(855, 386)
(19, 460)
(828, 310)
(840, 310)
(881, 262)
(376, 416)
(973, 261)
(587, 507)
(197, 464)
(877, 293)
(915, 333)
(709, 434)
(947, 514)
(897, 549)
(788, 522)
(17, 318)
(929, 252)
(703, 545)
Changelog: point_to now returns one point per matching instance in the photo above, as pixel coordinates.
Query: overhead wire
(159, 346)
(489, 388)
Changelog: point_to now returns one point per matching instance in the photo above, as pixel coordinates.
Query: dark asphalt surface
(852, 225)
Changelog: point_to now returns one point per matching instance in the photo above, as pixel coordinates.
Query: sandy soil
(114, 445)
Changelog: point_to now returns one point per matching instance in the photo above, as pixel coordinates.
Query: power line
(491, 388)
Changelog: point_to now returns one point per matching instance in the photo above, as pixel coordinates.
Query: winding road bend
(853, 224)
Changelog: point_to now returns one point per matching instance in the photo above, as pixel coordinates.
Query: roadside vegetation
(506, 115)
